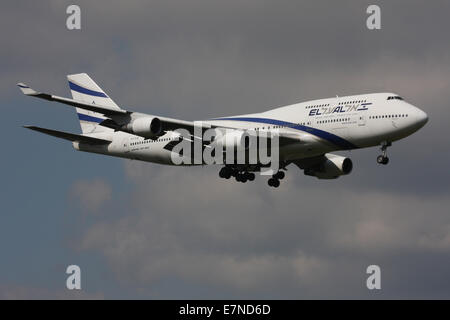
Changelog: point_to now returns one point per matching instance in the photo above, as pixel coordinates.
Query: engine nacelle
(331, 167)
(147, 127)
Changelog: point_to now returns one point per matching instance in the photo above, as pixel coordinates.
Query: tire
(251, 176)
(279, 175)
(380, 159)
(271, 182)
(276, 183)
(222, 173)
(385, 161)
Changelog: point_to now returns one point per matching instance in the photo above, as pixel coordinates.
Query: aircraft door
(361, 120)
(126, 144)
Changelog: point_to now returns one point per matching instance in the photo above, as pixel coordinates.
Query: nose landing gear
(383, 158)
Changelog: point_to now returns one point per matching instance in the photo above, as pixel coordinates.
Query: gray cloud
(91, 195)
(251, 240)
(16, 292)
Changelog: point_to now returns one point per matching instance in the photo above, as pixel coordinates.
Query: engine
(147, 127)
(331, 167)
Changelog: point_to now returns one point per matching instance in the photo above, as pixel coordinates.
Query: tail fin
(84, 89)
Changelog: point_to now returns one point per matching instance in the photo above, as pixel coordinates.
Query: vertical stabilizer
(84, 89)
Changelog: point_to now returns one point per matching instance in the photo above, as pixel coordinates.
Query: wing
(69, 136)
(118, 117)
(107, 111)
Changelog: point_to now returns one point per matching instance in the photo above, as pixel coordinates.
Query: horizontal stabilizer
(69, 136)
(27, 90)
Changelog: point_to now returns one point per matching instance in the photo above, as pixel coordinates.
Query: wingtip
(26, 89)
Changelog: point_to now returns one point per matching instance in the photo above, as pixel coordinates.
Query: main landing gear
(243, 176)
(275, 180)
(240, 176)
(383, 158)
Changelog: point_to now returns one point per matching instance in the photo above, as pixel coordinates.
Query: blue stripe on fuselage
(80, 89)
(85, 117)
(317, 132)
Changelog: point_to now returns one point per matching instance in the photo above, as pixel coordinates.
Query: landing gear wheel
(279, 175)
(241, 177)
(383, 158)
(251, 176)
(225, 173)
(274, 182)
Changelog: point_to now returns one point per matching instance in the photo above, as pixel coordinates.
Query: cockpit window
(395, 98)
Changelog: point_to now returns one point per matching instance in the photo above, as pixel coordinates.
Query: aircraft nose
(422, 117)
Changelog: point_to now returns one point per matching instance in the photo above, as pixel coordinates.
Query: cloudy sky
(140, 230)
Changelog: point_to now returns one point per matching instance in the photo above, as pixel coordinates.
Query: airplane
(308, 131)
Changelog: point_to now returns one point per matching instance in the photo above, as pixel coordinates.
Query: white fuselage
(324, 125)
